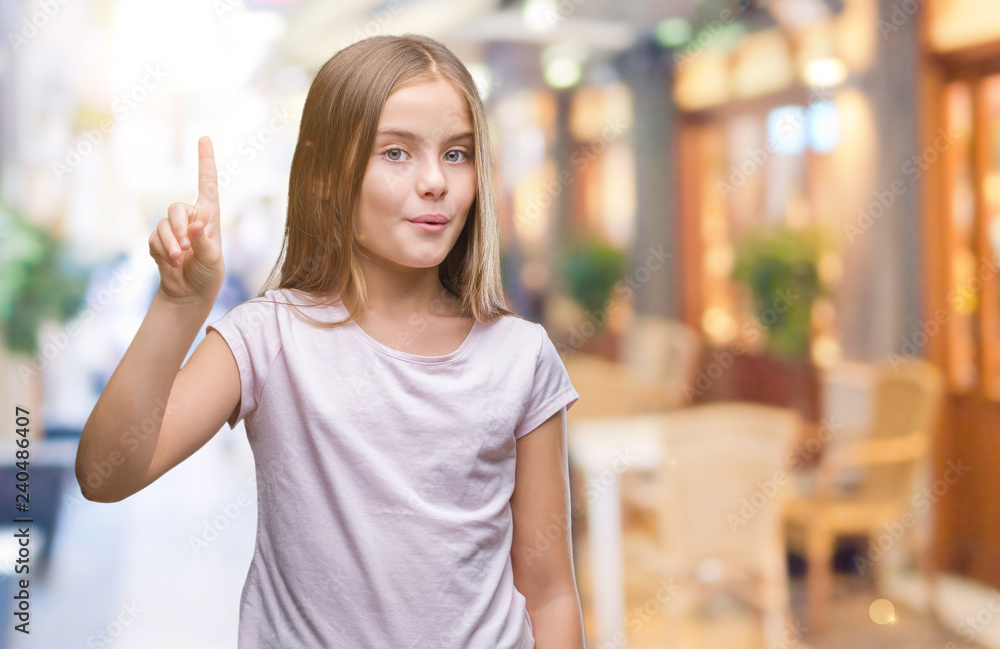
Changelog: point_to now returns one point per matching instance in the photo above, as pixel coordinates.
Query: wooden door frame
(961, 536)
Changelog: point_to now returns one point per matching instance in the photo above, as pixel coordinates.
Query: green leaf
(774, 259)
(39, 281)
(591, 269)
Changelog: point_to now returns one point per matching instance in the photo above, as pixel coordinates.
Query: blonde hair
(320, 246)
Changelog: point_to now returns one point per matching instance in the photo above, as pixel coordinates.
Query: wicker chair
(718, 501)
(864, 482)
(662, 356)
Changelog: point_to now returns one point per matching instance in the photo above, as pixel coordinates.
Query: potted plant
(591, 268)
(779, 266)
(39, 281)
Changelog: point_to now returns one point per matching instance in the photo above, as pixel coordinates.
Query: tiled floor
(729, 624)
(725, 622)
(127, 575)
(164, 569)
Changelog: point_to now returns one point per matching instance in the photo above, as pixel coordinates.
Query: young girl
(408, 431)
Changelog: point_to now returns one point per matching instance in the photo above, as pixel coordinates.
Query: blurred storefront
(790, 122)
(876, 122)
(961, 99)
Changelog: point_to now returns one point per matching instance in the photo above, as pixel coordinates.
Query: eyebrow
(410, 135)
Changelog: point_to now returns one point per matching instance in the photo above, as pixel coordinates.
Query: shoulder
(262, 312)
(513, 328)
(518, 338)
(268, 321)
(277, 299)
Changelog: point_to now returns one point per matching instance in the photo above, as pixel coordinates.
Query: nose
(431, 180)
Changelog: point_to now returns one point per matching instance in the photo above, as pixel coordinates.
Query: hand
(187, 244)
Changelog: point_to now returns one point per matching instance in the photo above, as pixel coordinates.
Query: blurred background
(763, 235)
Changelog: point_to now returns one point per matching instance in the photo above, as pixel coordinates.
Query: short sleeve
(250, 330)
(551, 389)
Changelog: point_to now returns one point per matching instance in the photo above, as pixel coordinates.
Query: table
(604, 448)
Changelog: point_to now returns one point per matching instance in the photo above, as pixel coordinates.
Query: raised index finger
(208, 177)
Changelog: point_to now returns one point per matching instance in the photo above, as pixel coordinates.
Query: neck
(400, 292)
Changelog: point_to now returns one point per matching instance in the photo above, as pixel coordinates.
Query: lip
(429, 227)
(430, 218)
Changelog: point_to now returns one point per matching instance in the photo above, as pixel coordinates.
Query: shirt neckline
(416, 358)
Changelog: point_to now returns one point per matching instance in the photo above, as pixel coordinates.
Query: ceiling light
(540, 15)
(562, 64)
(826, 72)
(562, 73)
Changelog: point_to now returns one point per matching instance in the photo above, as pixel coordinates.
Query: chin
(421, 263)
(425, 261)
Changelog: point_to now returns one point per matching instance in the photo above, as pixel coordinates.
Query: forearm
(558, 623)
(120, 436)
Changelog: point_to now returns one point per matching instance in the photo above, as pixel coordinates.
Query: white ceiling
(318, 28)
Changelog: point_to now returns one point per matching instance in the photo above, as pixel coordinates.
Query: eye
(388, 153)
(464, 156)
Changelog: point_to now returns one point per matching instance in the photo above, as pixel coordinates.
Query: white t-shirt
(384, 479)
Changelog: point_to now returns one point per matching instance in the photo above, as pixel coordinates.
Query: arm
(151, 416)
(543, 568)
(886, 450)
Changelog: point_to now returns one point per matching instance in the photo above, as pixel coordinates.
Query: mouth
(430, 222)
(428, 226)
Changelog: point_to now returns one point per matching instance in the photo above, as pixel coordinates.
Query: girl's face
(421, 165)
